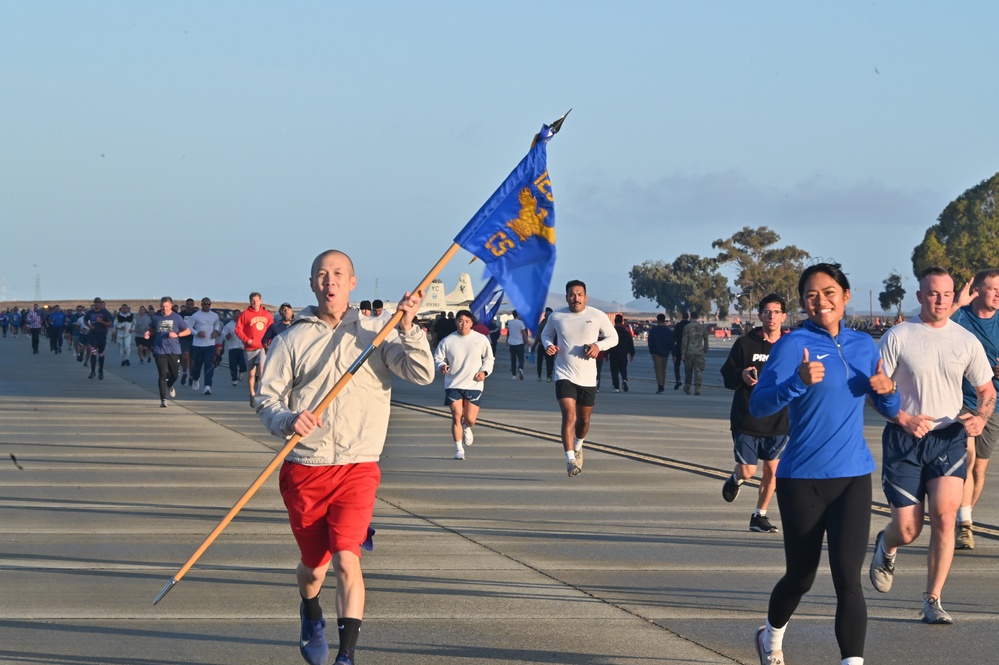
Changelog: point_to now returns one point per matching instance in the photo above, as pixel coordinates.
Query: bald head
(318, 261)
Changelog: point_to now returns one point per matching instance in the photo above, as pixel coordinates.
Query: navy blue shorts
(750, 449)
(908, 463)
(455, 394)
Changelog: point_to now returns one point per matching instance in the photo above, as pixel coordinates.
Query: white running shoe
(933, 611)
(882, 569)
(208, 390)
(173, 392)
(459, 455)
(196, 384)
(767, 657)
(467, 438)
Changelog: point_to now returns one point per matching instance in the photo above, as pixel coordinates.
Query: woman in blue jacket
(823, 372)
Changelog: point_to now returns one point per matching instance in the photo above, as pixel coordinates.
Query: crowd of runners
(797, 412)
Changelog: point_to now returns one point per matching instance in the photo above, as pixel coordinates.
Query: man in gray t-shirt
(924, 449)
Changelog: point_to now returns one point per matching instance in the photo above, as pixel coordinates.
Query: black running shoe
(730, 489)
(760, 524)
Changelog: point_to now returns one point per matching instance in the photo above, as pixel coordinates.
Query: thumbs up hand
(880, 383)
(811, 372)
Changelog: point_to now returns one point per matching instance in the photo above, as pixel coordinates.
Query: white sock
(570, 456)
(890, 557)
(773, 638)
(578, 444)
(738, 481)
(853, 660)
(964, 514)
(761, 513)
(457, 444)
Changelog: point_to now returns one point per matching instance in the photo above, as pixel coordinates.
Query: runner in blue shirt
(166, 327)
(823, 372)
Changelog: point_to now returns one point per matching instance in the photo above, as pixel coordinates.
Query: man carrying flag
(329, 479)
(331, 450)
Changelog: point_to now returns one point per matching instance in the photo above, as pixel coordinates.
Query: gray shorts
(255, 359)
(985, 442)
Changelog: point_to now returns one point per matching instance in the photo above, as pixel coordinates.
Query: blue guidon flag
(513, 234)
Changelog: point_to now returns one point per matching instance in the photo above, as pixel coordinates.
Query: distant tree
(655, 280)
(690, 282)
(893, 293)
(762, 267)
(964, 239)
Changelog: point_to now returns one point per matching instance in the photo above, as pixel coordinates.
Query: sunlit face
(936, 297)
(576, 299)
(206, 305)
(824, 302)
(988, 294)
(771, 318)
(167, 308)
(332, 282)
(464, 324)
(255, 303)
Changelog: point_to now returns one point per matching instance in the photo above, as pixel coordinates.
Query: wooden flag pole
(293, 441)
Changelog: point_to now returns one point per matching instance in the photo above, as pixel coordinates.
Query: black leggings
(841, 509)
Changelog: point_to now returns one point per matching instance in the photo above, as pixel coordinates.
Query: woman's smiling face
(824, 302)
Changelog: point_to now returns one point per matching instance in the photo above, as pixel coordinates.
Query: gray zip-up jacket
(304, 363)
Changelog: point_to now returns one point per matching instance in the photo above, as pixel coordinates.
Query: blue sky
(193, 148)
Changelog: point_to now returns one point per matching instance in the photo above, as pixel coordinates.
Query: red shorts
(329, 507)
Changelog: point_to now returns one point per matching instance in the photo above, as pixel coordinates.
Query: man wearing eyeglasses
(755, 439)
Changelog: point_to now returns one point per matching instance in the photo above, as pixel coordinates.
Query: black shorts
(584, 395)
(98, 341)
(186, 344)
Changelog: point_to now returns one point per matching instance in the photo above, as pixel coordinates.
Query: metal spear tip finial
(557, 125)
(166, 590)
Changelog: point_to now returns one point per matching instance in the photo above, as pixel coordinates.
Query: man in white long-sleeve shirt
(577, 328)
(465, 358)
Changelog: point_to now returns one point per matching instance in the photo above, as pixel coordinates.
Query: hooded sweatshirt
(751, 350)
(310, 357)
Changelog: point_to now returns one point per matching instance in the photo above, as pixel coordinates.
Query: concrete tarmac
(498, 559)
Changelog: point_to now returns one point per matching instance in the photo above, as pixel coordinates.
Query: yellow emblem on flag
(531, 221)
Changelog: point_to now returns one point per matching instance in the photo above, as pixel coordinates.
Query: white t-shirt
(574, 331)
(204, 322)
(515, 332)
(465, 356)
(928, 364)
(232, 340)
